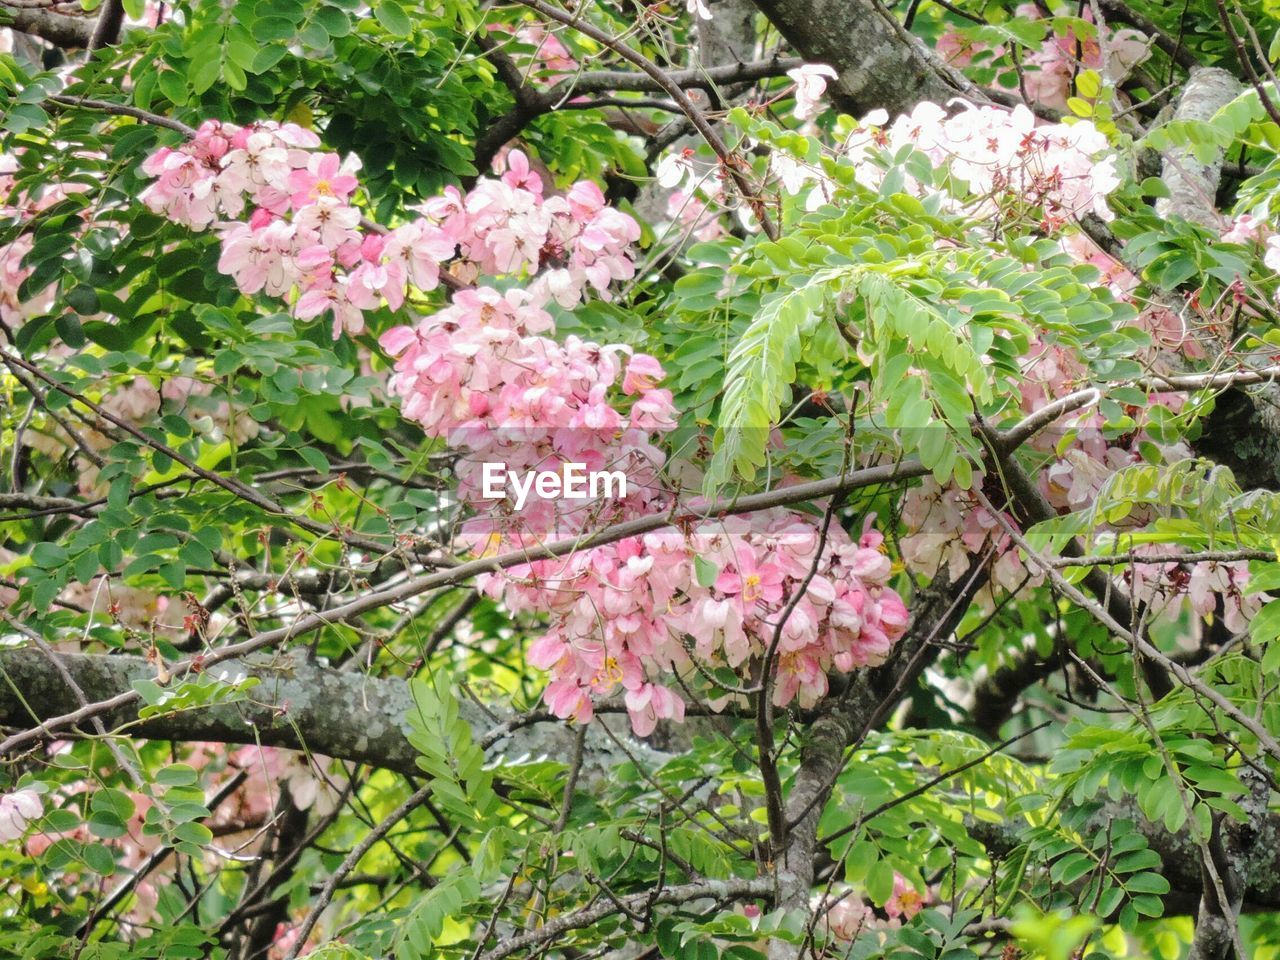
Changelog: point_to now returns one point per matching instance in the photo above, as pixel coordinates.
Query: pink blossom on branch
(485, 373)
(304, 241)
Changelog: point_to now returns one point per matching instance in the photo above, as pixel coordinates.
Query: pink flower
(323, 177)
(648, 703)
(642, 374)
(1272, 256)
(752, 580)
(569, 701)
(847, 917)
(1245, 229)
(906, 901)
(718, 623)
(520, 174)
(811, 84)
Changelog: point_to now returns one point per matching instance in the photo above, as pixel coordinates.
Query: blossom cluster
(997, 158)
(486, 374)
(722, 594)
(847, 916)
(479, 374)
(1047, 73)
(550, 57)
(304, 239)
(948, 526)
(994, 164)
(626, 615)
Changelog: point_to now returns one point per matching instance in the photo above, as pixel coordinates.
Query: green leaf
(204, 73)
(393, 18)
(192, 832)
(176, 775)
(99, 859)
(1265, 625)
(269, 29)
(49, 555)
(315, 459)
(880, 882)
(705, 570)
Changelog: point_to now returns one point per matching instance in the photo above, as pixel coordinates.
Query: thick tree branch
(297, 705)
(706, 78)
(879, 64)
(330, 712)
(106, 31)
(844, 720)
(1192, 184)
(60, 29)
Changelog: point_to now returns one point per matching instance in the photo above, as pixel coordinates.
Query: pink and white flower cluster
(550, 56)
(508, 226)
(1060, 58)
(811, 83)
(999, 162)
(1007, 157)
(1212, 588)
(304, 239)
(632, 614)
(948, 527)
(485, 373)
(1049, 71)
(480, 373)
(847, 916)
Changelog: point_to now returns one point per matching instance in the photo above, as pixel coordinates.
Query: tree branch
(59, 29)
(106, 32)
(297, 705)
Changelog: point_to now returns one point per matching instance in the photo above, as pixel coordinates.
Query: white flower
(699, 7)
(18, 809)
(673, 169)
(791, 173)
(811, 84)
(1272, 256)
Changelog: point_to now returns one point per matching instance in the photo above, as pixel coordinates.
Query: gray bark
(57, 28)
(1243, 432)
(844, 720)
(879, 63)
(724, 41)
(1193, 185)
(297, 705)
